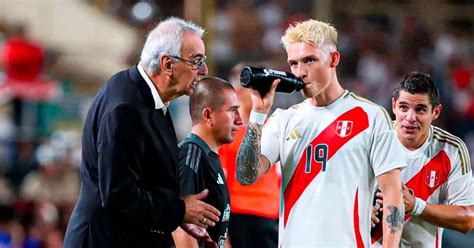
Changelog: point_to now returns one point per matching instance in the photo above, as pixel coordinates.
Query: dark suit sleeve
(121, 151)
(191, 160)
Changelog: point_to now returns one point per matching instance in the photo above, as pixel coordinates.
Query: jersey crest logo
(432, 178)
(344, 128)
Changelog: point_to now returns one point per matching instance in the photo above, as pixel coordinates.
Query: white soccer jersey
(329, 157)
(438, 172)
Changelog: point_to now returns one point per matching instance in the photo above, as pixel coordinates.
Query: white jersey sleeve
(459, 190)
(270, 141)
(386, 151)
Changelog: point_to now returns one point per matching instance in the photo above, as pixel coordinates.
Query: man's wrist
(419, 207)
(257, 117)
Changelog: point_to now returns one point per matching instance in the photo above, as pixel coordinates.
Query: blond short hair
(312, 32)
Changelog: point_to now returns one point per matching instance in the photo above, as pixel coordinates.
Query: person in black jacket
(129, 193)
(216, 119)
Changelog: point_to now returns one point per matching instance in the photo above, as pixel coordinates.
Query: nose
(410, 116)
(238, 119)
(300, 71)
(203, 70)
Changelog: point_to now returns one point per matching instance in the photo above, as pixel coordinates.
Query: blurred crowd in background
(40, 131)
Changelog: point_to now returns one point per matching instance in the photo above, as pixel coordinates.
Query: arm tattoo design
(395, 219)
(248, 155)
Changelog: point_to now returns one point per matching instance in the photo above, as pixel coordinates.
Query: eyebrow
(422, 105)
(197, 56)
(312, 56)
(417, 105)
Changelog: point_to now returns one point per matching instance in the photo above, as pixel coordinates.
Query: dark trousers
(248, 231)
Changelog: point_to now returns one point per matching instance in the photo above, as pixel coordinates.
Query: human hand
(199, 212)
(377, 209)
(374, 220)
(408, 199)
(200, 234)
(262, 104)
(379, 199)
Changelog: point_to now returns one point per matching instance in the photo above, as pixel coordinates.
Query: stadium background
(75, 45)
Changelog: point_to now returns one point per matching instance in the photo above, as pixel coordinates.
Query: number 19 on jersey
(319, 155)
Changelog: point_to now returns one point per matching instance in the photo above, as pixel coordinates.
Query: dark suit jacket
(129, 182)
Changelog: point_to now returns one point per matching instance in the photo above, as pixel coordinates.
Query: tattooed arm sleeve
(393, 208)
(248, 164)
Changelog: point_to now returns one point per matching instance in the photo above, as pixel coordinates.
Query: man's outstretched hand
(200, 234)
(198, 212)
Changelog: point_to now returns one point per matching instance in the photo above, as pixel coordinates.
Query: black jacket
(129, 182)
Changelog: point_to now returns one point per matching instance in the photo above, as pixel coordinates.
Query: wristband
(419, 207)
(256, 117)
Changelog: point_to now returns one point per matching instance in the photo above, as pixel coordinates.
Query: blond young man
(332, 147)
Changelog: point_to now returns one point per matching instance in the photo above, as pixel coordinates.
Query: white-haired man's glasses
(196, 64)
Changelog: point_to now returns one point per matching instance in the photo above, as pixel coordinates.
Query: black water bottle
(261, 79)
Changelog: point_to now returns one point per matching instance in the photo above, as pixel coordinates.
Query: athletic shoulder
(454, 145)
(371, 108)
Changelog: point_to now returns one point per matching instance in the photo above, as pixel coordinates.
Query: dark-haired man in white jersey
(437, 188)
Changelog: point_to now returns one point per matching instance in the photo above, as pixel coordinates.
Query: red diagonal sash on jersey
(300, 179)
(424, 183)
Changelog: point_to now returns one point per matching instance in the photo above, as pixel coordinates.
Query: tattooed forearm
(395, 218)
(248, 156)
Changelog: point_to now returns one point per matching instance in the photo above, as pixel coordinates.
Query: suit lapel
(143, 88)
(163, 124)
(166, 131)
(170, 122)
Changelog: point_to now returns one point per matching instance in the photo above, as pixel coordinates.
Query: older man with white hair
(129, 183)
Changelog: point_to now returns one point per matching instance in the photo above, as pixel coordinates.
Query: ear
(335, 57)
(206, 116)
(437, 111)
(166, 64)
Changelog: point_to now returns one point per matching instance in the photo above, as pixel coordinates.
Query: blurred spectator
(45, 230)
(271, 15)
(24, 162)
(11, 232)
(50, 192)
(238, 35)
(247, 30)
(7, 195)
(55, 182)
(23, 59)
